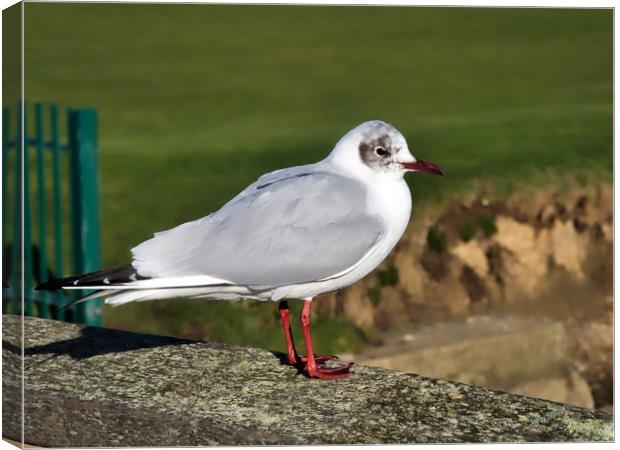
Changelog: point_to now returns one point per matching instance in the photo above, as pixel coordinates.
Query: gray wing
(289, 227)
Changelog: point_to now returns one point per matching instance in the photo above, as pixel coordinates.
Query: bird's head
(377, 148)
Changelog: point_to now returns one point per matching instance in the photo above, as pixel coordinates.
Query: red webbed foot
(328, 373)
(320, 360)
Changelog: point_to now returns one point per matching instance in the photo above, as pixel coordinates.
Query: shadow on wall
(97, 341)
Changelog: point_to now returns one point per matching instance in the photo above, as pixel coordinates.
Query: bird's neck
(391, 200)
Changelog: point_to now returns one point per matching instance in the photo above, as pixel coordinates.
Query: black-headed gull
(293, 234)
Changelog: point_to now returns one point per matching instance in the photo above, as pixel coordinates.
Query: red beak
(422, 166)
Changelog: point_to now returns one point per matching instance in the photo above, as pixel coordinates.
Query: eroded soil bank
(534, 267)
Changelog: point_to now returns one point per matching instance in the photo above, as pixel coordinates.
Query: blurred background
(504, 277)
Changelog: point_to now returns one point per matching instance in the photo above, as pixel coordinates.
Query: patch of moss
(436, 239)
(374, 293)
(487, 225)
(467, 231)
(388, 277)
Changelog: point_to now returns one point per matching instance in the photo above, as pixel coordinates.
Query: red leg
(293, 358)
(286, 326)
(313, 369)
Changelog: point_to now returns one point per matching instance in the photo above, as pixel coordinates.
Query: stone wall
(87, 386)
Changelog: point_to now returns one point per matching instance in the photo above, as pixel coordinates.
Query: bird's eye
(380, 151)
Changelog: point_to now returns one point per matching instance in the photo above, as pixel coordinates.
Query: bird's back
(292, 226)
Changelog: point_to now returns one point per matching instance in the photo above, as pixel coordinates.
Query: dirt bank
(542, 255)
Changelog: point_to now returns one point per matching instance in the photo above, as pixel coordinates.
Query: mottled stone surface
(88, 386)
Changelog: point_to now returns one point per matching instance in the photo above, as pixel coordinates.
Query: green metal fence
(50, 206)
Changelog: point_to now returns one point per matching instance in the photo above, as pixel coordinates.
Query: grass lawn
(196, 101)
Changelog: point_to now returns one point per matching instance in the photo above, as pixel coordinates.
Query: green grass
(196, 101)
(242, 323)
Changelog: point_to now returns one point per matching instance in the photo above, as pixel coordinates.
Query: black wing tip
(120, 274)
(51, 285)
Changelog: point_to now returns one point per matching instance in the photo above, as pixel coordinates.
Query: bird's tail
(94, 280)
(123, 284)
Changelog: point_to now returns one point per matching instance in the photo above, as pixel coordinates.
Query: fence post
(85, 225)
(16, 245)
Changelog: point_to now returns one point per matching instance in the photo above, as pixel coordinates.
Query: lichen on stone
(89, 386)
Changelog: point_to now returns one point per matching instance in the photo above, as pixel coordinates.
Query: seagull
(294, 233)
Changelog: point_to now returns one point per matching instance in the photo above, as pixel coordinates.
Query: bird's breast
(391, 200)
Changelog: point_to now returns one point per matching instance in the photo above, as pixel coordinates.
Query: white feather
(159, 283)
(219, 293)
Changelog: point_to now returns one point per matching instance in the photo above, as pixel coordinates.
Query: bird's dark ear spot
(374, 152)
(366, 152)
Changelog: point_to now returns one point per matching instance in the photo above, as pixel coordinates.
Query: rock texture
(88, 386)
